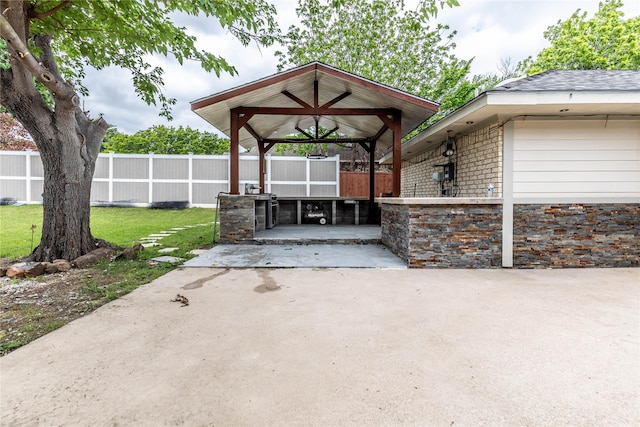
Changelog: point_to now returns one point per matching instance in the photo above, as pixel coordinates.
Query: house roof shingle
(575, 80)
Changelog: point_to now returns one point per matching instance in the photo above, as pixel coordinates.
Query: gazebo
(352, 109)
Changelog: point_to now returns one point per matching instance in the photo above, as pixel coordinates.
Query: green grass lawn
(120, 226)
(98, 284)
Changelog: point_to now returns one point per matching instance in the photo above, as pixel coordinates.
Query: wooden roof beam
(383, 113)
(316, 141)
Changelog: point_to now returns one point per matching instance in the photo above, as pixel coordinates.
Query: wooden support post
(372, 182)
(397, 153)
(261, 150)
(234, 163)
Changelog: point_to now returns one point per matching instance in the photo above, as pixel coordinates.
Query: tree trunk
(66, 197)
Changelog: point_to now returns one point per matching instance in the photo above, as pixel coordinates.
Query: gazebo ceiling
(294, 88)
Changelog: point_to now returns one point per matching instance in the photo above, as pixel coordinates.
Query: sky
(488, 31)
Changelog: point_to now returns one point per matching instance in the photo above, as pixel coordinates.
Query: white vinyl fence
(142, 179)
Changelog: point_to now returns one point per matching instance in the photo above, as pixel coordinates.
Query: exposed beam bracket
(336, 100)
(388, 121)
(253, 132)
(381, 132)
(295, 99)
(243, 118)
(302, 131)
(330, 132)
(366, 146)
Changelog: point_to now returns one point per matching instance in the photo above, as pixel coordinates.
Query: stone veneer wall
(237, 219)
(394, 229)
(478, 164)
(576, 235)
(444, 235)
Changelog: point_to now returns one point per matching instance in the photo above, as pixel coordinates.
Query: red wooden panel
(356, 184)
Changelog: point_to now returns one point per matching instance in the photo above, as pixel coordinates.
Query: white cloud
(491, 30)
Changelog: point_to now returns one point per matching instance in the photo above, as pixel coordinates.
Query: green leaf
(103, 33)
(604, 42)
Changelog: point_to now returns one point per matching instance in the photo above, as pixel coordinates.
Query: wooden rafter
(296, 99)
(335, 100)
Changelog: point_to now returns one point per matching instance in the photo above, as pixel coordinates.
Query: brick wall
(417, 172)
(478, 162)
(576, 235)
(444, 236)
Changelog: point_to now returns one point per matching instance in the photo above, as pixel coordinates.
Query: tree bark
(66, 197)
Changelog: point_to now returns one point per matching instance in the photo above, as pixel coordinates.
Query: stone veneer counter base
(444, 232)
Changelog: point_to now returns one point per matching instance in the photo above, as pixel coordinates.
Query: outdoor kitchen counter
(439, 200)
(443, 232)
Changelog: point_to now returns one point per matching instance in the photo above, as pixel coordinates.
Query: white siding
(573, 160)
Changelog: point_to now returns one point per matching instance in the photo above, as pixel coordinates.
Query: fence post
(268, 180)
(110, 183)
(150, 178)
(228, 172)
(337, 175)
(308, 178)
(27, 181)
(190, 178)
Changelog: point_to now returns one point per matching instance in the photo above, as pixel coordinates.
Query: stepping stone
(160, 235)
(167, 258)
(177, 228)
(167, 250)
(149, 245)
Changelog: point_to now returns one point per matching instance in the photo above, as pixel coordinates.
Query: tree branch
(56, 85)
(43, 41)
(42, 15)
(93, 131)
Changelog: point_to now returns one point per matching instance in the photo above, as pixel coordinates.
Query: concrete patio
(305, 246)
(282, 347)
